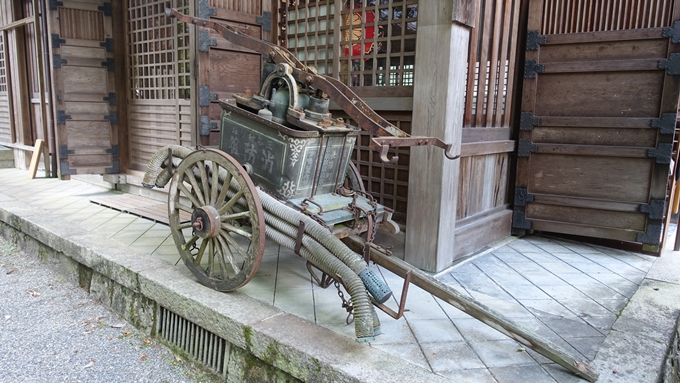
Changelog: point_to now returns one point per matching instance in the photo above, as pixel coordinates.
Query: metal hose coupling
(375, 286)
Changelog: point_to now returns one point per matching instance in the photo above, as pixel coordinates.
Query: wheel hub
(206, 221)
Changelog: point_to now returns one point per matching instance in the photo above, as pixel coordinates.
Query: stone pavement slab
(571, 293)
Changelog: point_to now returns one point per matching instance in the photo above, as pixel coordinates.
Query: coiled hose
(156, 162)
(320, 247)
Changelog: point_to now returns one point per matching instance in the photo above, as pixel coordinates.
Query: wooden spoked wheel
(353, 178)
(223, 242)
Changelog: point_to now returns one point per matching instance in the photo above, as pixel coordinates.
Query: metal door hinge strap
(652, 236)
(534, 40)
(57, 41)
(57, 61)
(112, 117)
(205, 126)
(531, 68)
(522, 197)
(666, 123)
(673, 32)
(204, 95)
(265, 20)
(113, 150)
(108, 44)
(662, 153)
(672, 64)
(204, 10)
(519, 222)
(656, 208)
(64, 152)
(527, 121)
(525, 147)
(106, 8)
(205, 42)
(109, 64)
(62, 116)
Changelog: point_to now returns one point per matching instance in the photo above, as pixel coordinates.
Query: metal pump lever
(385, 135)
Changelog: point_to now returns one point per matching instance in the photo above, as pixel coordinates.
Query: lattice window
(378, 42)
(3, 65)
(310, 34)
(375, 46)
(159, 62)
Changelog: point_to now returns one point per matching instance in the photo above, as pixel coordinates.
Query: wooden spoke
(204, 181)
(191, 242)
(184, 207)
(223, 193)
(194, 184)
(233, 229)
(184, 225)
(230, 255)
(243, 214)
(211, 257)
(215, 182)
(233, 242)
(231, 202)
(189, 195)
(220, 261)
(201, 251)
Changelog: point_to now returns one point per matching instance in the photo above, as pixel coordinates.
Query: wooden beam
(33, 168)
(41, 91)
(438, 106)
(18, 23)
(478, 310)
(482, 148)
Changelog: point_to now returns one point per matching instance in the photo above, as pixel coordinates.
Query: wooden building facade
(557, 108)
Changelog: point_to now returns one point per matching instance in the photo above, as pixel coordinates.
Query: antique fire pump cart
(283, 171)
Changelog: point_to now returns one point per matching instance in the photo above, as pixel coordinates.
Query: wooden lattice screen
(484, 168)
(561, 16)
(374, 53)
(159, 109)
(5, 123)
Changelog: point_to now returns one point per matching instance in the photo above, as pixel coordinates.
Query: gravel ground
(52, 331)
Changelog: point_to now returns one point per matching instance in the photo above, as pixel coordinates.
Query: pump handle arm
(385, 135)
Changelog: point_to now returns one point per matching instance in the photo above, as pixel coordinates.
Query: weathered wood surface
(87, 134)
(35, 158)
(479, 311)
(140, 206)
(595, 107)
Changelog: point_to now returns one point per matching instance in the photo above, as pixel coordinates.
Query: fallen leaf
(118, 325)
(147, 341)
(144, 357)
(177, 359)
(521, 349)
(126, 332)
(75, 351)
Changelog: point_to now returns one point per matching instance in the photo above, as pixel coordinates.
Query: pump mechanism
(297, 75)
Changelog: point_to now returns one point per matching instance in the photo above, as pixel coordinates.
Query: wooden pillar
(438, 102)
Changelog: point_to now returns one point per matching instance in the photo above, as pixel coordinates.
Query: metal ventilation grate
(205, 347)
